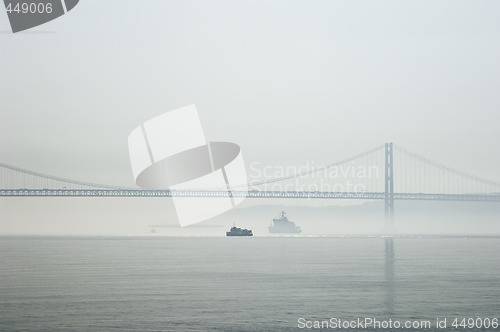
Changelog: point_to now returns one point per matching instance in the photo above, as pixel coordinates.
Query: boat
(283, 225)
(236, 231)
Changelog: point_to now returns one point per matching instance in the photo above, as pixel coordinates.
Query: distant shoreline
(284, 236)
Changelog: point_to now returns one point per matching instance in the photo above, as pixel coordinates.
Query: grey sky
(288, 81)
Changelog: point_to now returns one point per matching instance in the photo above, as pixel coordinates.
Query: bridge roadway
(250, 194)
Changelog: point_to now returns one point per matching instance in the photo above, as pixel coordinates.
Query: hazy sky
(289, 81)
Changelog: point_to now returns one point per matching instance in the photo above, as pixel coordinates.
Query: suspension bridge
(388, 172)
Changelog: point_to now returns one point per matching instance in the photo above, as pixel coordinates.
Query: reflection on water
(389, 275)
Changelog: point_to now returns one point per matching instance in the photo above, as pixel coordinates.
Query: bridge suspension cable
(445, 168)
(415, 173)
(315, 170)
(60, 179)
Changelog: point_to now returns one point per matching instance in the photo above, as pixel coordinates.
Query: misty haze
(250, 166)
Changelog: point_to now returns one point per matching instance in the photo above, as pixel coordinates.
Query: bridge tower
(389, 188)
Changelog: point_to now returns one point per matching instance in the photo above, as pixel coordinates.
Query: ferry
(235, 231)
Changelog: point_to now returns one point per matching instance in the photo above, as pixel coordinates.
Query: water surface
(241, 284)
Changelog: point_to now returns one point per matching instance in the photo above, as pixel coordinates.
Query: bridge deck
(249, 194)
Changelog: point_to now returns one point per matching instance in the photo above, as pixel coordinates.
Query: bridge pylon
(389, 188)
